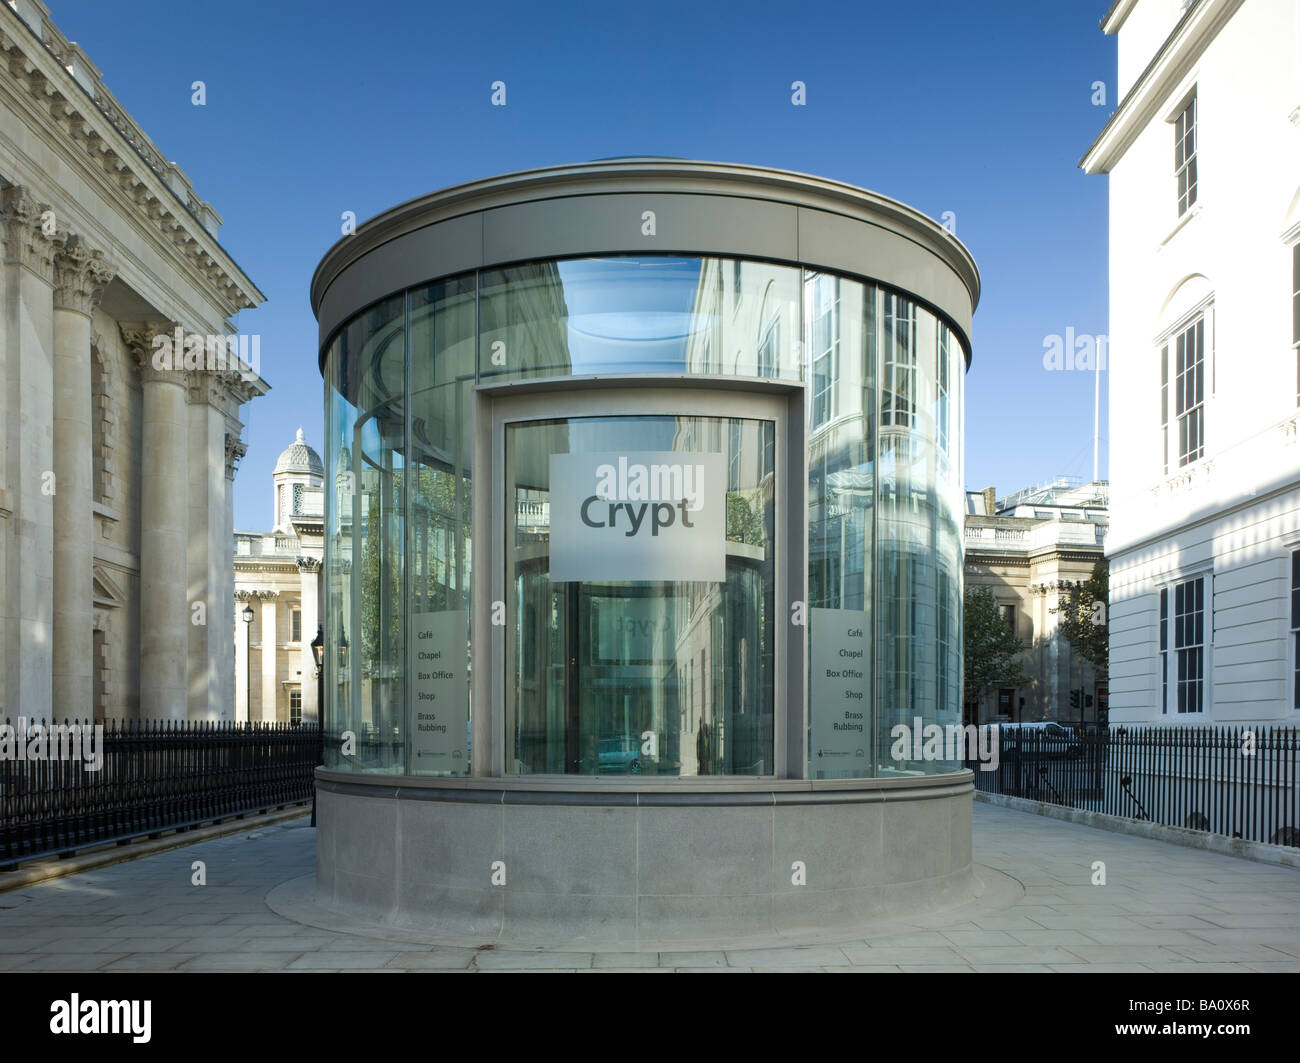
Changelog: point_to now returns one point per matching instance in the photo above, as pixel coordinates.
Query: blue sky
(317, 108)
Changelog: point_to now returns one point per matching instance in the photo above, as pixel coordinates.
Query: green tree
(1084, 612)
(743, 524)
(990, 646)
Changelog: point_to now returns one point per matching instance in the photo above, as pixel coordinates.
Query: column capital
(210, 387)
(80, 276)
(236, 448)
(150, 344)
(308, 564)
(30, 234)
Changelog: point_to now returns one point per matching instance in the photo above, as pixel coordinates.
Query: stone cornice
(80, 276)
(66, 94)
(286, 570)
(1178, 55)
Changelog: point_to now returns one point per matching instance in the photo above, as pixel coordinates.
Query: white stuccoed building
(1203, 152)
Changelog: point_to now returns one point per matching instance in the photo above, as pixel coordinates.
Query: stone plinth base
(472, 860)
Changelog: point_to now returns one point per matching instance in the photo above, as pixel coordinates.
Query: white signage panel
(438, 675)
(839, 702)
(638, 515)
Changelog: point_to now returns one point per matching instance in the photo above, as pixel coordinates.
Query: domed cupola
(298, 457)
(298, 468)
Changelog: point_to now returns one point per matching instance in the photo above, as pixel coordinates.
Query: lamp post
(318, 651)
(247, 614)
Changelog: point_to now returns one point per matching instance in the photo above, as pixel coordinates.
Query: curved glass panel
(365, 538)
(439, 553)
(840, 328)
(616, 675)
(652, 314)
(919, 552)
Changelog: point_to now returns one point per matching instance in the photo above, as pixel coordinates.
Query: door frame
(497, 404)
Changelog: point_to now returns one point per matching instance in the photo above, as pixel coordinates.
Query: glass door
(640, 594)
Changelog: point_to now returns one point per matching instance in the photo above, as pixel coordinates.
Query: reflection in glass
(592, 667)
(653, 314)
(841, 530)
(365, 537)
(441, 509)
(645, 677)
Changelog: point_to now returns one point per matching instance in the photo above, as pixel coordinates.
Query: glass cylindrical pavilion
(644, 495)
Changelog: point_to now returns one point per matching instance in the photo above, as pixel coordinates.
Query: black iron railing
(151, 777)
(1243, 782)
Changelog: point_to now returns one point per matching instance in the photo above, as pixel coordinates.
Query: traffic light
(1087, 701)
(1074, 699)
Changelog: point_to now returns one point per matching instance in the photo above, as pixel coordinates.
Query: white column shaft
(164, 610)
(73, 518)
(269, 639)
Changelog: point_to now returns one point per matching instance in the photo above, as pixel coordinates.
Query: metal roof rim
(424, 210)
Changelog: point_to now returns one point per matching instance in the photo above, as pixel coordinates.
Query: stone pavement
(1163, 908)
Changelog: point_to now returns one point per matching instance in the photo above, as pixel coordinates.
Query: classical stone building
(276, 575)
(1030, 548)
(117, 451)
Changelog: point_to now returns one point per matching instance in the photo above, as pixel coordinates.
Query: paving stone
(436, 960)
(1165, 908)
(502, 960)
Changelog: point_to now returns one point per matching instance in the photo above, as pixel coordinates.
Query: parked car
(1049, 739)
(619, 756)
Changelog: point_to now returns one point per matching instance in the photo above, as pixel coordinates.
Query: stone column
(31, 484)
(243, 642)
(269, 662)
(210, 543)
(231, 692)
(308, 569)
(164, 473)
(80, 277)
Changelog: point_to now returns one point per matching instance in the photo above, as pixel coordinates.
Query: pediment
(106, 591)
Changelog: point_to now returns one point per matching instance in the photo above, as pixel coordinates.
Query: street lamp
(318, 651)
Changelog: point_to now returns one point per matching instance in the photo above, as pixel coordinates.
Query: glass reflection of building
(693, 692)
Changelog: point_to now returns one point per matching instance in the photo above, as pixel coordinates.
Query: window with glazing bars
(1295, 315)
(898, 376)
(1164, 650)
(1189, 644)
(1295, 629)
(1164, 406)
(1185, 156)
(941, 418)
(824, 337)
(1189, 392)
